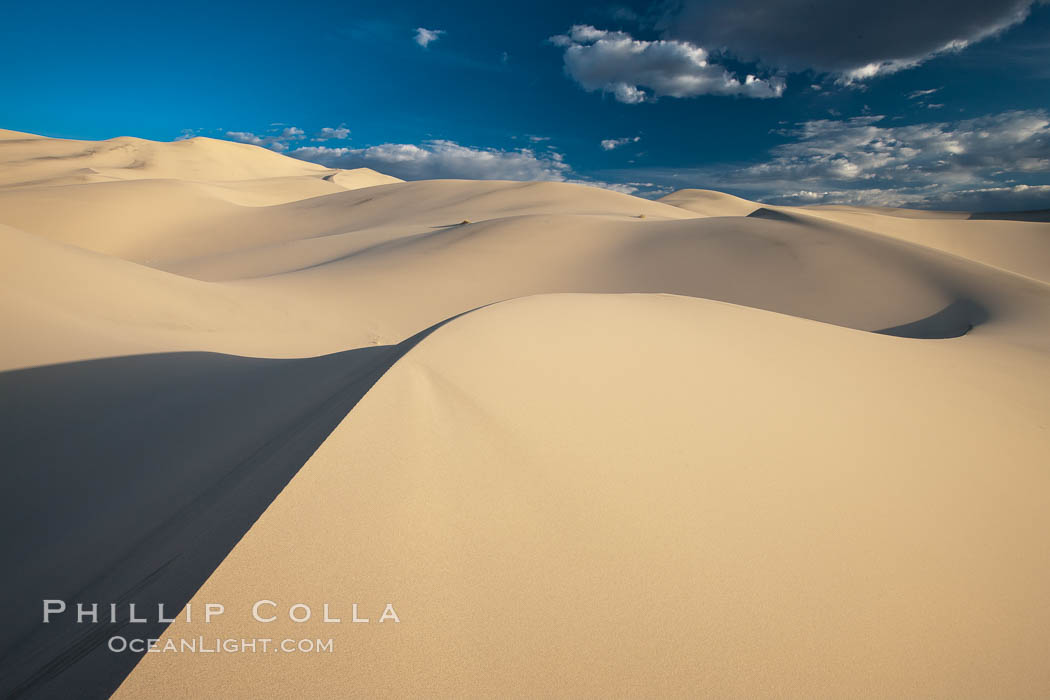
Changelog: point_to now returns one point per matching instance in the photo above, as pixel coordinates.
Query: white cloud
(998, 161)
(329, 132)
(960, 152)
(616, 63)
(887, 67)
(610, 144)
(424, 37)
(275, 140)
(921, 93)
(628, 94)
(1006, 198)
(936, 164)
(441, 159)
(246, 137)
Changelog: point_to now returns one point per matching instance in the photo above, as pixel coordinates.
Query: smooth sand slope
(693, 447)
(1017, 245)
(655, 496)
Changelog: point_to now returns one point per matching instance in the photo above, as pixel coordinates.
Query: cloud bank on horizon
(970, 164)
(863, 160)
(437, 159)
(440, 159)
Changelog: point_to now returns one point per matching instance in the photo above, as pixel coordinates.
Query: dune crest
(710, 203)
(361, 177)
(705, 511)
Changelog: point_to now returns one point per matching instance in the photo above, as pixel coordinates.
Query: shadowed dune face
(129, 479)
(589, 487)
(954, 320)
(1038, 215)
(773, 215)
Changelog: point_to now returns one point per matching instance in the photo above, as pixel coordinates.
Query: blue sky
(936, 104)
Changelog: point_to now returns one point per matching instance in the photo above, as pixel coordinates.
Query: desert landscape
(549, 439)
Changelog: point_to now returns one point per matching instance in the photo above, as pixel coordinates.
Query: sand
(584, 444)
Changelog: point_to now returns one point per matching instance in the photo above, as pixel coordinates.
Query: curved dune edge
(574, 506)
(341, 291)
(183, 451)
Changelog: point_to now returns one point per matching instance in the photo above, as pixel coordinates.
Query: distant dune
(586, 444)
(361, 177)
(710, 203)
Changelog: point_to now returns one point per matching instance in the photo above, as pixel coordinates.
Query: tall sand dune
(585, 444)
(657, 496)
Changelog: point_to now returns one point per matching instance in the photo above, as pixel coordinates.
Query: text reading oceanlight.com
(201, 645)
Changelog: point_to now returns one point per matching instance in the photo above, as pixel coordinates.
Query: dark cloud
(855, 39)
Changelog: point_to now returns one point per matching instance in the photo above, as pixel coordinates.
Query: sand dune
(1016, 245)
(31, 160)
(710, 203)
(660, 496)
(130, 478)
(374, 265)
(64, 303)
(318, 294)
(696, 446)
(361, 177)
(988, 237)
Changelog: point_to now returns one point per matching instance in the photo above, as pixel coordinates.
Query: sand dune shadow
(128, 480)
(1036, 215)
(954, 320)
